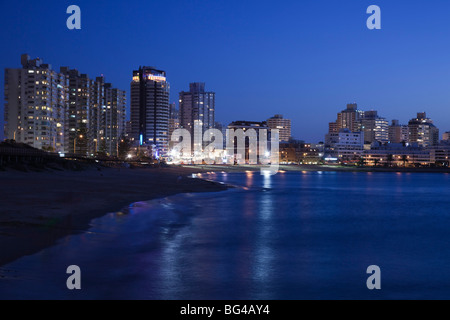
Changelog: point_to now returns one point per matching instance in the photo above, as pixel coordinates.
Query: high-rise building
(174, 119)
(79, 111)
(113, 119)
(375, 128)
(96, 114)
(128, 129)
(422, 131)
(65, 112)
(35, 105)
(398, 133)
(349, 118)
(150, 109)
(197, 106)
(283, 125)
(97, 117)
(174, 122)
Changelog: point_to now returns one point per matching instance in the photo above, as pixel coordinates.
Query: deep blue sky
(303, 59)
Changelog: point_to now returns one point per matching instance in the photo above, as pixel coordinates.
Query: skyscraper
(150, 109)
(97, 118)
(65, 112)
(197, 106)
(113, 119)
(174, 121)
(349, 118)
(96, 112)
(283, 125)
(35, 105)
(375, 128)
(78, 110)
(422, 131)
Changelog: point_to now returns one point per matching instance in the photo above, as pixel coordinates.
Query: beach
(38, 208)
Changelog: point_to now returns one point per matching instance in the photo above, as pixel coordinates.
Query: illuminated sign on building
(156, 78)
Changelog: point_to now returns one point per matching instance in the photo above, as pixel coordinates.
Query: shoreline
(40, 208)
(317, 168)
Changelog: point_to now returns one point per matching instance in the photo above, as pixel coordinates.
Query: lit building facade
(35, 110)
(397, 155)
(78, 111)
(113, 120)
(350, 145)
(96, 115)
(347, 119)
(197, 106)
(65, 112)
(149, 110)
(375, 128)
(422, 131)
(283, 125)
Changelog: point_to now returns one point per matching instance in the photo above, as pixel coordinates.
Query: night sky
(303, 59)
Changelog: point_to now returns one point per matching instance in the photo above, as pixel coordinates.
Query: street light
(95, 140)
(75, 143)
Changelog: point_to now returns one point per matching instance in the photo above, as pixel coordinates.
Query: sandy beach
(38, 208)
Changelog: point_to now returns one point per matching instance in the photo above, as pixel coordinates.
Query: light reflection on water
(308, 235)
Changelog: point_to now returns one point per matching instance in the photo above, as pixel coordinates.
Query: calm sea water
(305, 235)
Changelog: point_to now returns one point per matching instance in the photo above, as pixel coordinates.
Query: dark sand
(38, 208)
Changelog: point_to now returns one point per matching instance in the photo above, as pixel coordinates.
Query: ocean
(303, 235)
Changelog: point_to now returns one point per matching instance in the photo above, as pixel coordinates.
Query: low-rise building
(350, 145)
(299, 152)
(397, 154)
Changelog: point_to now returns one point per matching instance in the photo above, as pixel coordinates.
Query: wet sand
(38, 208)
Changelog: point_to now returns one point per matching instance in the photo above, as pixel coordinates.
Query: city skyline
(322, 55)
(150, 118)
